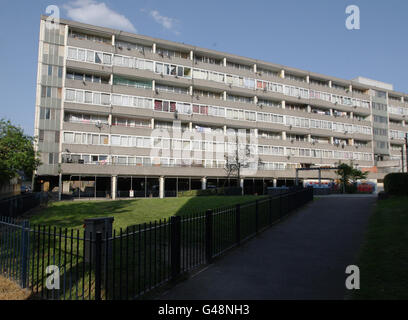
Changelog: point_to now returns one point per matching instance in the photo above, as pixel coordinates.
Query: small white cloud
(97, 13)
(166, 22)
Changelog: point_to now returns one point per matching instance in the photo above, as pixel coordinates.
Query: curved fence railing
(61, 264)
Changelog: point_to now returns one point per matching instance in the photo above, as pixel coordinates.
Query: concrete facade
(102, 93)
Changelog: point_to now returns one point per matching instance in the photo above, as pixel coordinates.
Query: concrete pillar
(111, 79)
(309, 108)
(275, 182)
(331, 140)
(330, 83)
(255, 67)
(283, 104)
(154, 85)
(307, 79)
(191, 90)
(224, 62)
(241, 184)
(161, 187)
(224, 95)
(114, 187)
(191, 55)
(255, 99)
(225, 129)
(190, 126)
(351, 115)
(113, 40)
(331, 112)
(350, 88)
(154, 48)
(351, 142)
(110, 119)
(152, 123)
(309, 138)
(203, 183)
(283, 135)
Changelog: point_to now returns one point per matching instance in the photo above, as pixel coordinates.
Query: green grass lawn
(383, 260)
(71, 214)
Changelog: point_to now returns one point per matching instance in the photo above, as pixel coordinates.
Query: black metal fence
(70, 264)
(18, 205)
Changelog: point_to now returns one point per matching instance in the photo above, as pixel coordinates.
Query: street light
(59, 182)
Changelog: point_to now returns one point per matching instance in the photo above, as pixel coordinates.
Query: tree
(348, 176)
(239, 159)
(357, 175)
(16, 152)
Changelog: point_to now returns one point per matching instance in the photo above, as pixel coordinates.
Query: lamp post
(59, 182)
(406, 149)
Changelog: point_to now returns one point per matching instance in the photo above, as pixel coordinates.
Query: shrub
(396, 183)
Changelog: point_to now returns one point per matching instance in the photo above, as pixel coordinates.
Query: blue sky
(310, 35)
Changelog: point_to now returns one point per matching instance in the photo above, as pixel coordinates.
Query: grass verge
(71, 214)
(383, 259)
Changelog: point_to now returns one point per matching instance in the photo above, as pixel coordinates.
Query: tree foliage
(348, 175)
(17, 152)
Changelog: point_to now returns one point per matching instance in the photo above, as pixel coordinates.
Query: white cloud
(97, 13)
(166, 22)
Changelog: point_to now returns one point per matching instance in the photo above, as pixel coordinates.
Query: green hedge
(396, 184)
(229, 191)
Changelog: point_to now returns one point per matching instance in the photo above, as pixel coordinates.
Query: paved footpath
(303, 257)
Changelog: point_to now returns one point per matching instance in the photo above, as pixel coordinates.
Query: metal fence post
(175, 243)
(98, 265)
(209, 235)
(238, 224)
(256, 216)
(24, 252)
(270, 210)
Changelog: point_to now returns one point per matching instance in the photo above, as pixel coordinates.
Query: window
(72, 53)
(171, 53)
(68, 137)
(41, 136)
(208, 60)
(88, 97)
(83, 36)
(105, 99)
(47, 114)
(51, 158)
(98, 57)
(132, 46)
